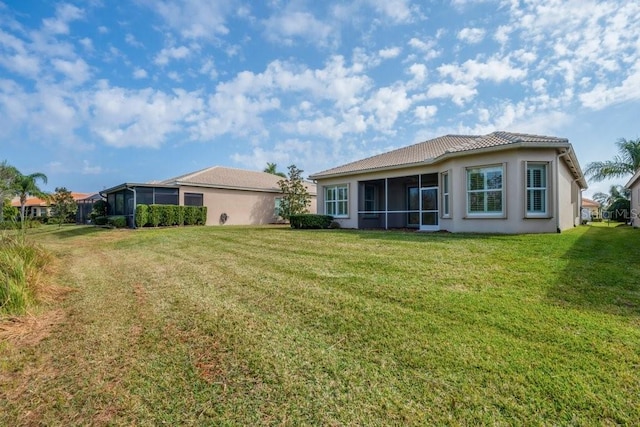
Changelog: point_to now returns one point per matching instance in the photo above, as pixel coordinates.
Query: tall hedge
(142, 215)
(169, 215)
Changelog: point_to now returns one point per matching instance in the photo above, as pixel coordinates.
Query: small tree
(296, 198)
(63, 205)
(25, 186)
(8, 175)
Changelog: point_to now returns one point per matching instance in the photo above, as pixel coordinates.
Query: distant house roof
(36, 201)
(588, 203)
(442, 147)
(231, 178)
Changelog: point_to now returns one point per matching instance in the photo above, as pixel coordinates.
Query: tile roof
(589, 203)
(429, 151)
(224, 177)
(36, 201)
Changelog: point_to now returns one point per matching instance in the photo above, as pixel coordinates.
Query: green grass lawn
(246, 326)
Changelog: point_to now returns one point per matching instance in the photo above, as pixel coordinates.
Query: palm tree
(627, 162)
(272, 168)
(25, 186)
(616, 204)
(8, 175)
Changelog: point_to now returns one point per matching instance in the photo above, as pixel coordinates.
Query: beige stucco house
(591, 209)
(232, 196)
(634, 187)
(498, 183)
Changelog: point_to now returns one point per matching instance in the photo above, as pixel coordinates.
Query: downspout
(556, 181)
(386, 203)
(135, 204)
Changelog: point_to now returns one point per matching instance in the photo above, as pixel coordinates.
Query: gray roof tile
(224, 177)
(432, 149)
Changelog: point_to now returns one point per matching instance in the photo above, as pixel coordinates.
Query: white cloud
(168, 54)
(194, 19)
(139, 73)
(87, 43)
(131, 40)
(65, 13)
(428, 47)
(400, 11)
(76, 71)
(292, 24)
(386, 104)
(459, 93)
(425, 112)
(471, 35)
(143, 118)
(389, 53)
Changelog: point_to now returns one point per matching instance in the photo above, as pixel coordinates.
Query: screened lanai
(400, 202)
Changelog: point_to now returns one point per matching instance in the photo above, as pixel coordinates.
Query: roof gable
(232, 178)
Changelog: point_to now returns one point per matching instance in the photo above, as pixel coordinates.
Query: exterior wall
(635, 203)
(563, 193)
(240, 207)
(569, 198)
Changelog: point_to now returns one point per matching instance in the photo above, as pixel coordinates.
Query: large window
(484, 191)
(193, 199)
(336, 200)
(446, 209)
(537, 189)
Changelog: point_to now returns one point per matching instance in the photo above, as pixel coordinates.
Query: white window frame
(340, 205)
(529, 189)
(486, 169)
(445, 183)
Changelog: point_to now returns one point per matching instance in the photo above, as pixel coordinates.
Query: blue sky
(96, 93)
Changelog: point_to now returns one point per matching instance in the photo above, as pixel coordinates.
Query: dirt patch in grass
(27, 331)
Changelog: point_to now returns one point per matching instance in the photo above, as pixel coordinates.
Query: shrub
(101, 220)
(202, 215)
(180, 215)
(190, 215)
(171, 215)
(117, 221)
(155, 215)
(310, 221)
(334, 225)
(99, 209)
(21, 263)
(142, 215)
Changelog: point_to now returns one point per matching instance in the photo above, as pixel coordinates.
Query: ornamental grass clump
(21, 266)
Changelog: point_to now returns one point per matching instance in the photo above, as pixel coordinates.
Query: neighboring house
(592, 209)
(634, 187)
(232, 196)
(498, 183)
(36, 207)
(85, 207)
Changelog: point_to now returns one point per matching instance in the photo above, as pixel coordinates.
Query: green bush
(190, 215)
(142, 215)
(101, 220)
(155, 215)
(180, 215)
(310, 221)
(202, 215)
(117, 221)
(99, 209)
(596, 219)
